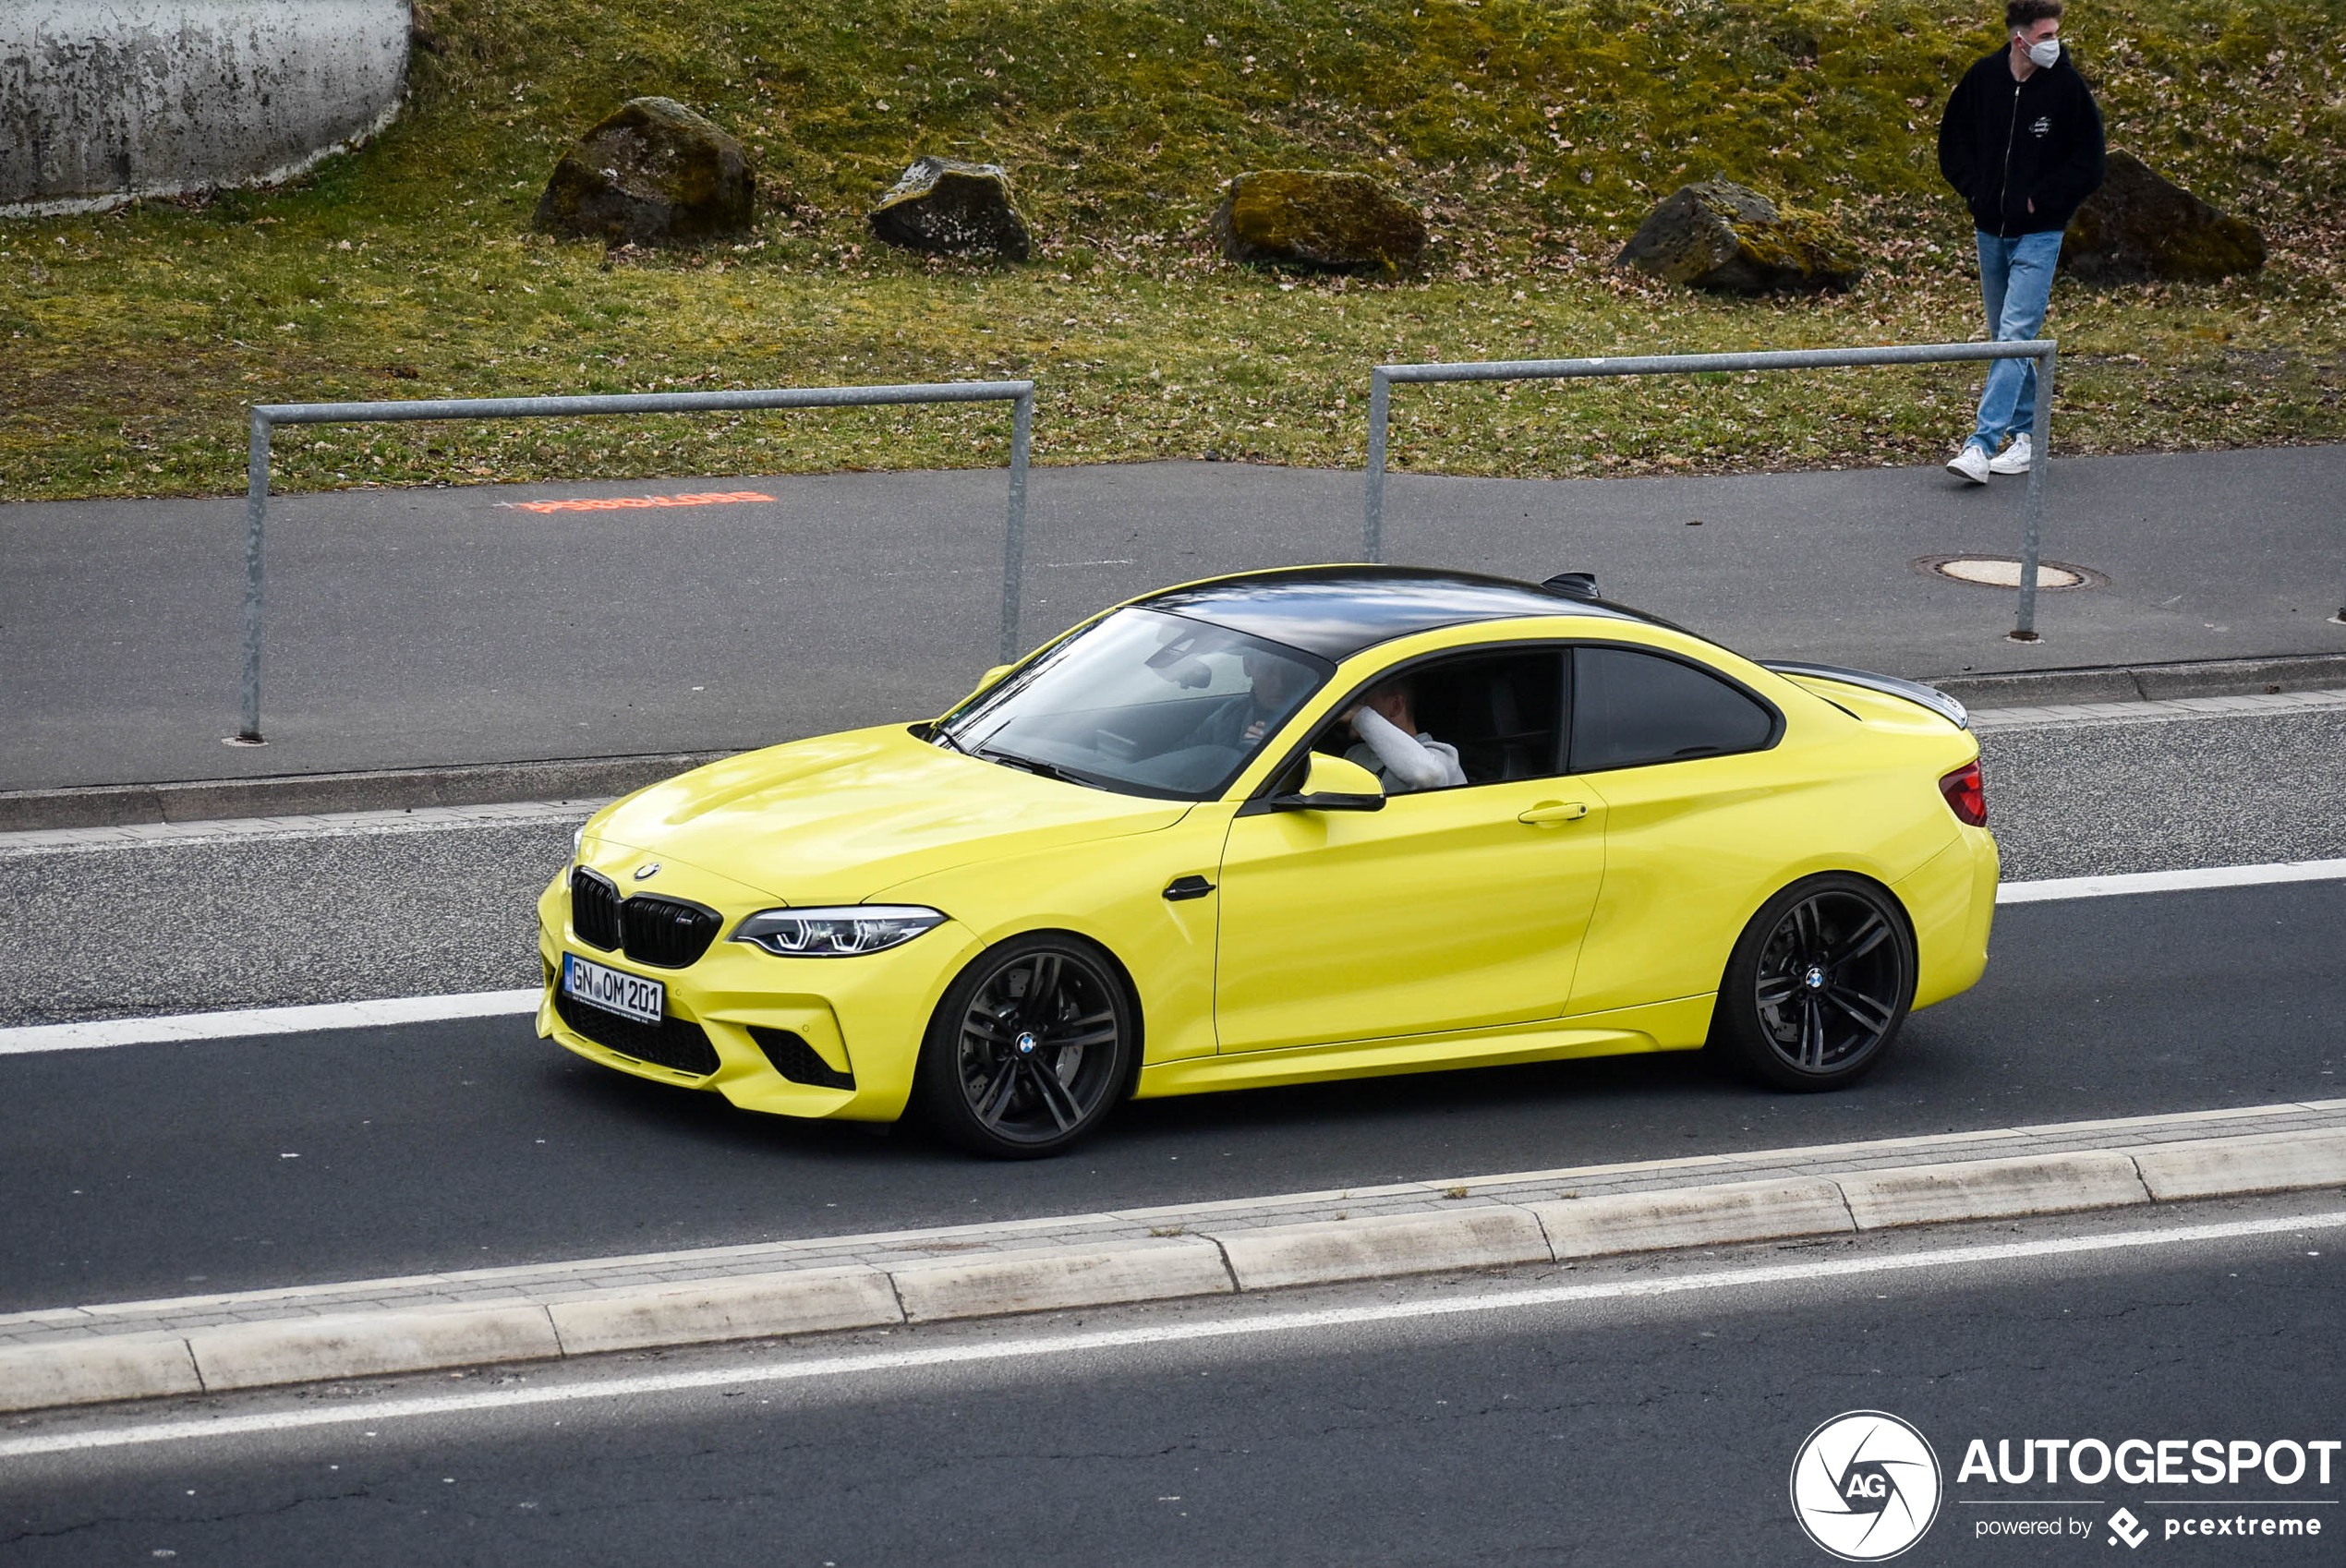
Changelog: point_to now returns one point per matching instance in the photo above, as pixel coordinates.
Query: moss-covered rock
(1728, 238)
(652, 172)
(2139, 226)
(1306, 218)
(948, 208)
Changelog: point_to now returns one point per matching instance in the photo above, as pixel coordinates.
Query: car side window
(1503, 712)
(1631, 708)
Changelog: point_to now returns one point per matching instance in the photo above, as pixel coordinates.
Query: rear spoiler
(1913, 691)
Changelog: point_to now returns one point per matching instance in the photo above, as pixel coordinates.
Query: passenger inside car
(1502, 715)
(1392, 747)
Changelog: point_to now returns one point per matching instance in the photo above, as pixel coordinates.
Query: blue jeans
(2015, 280)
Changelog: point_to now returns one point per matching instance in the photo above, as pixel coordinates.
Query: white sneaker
(2015, 459)
(1971, 464)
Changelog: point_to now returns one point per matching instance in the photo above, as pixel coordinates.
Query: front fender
(1111, 892)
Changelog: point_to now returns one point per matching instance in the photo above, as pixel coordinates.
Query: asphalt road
(164, 929)
(1595, 1431)
(172, 1169)
(429, 626)
(424, 626)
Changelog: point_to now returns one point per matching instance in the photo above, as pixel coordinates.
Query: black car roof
(1336, 612)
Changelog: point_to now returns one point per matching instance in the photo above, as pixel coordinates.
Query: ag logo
(1865, 1486)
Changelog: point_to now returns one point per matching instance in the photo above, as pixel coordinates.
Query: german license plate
(629, 996)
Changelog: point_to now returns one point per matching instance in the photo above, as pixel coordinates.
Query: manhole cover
(2003, 572)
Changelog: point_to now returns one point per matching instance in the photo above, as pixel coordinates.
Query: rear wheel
(1817, 986)
(1028, 1049)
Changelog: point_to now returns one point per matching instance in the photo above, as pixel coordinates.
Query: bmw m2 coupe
(1306, 824)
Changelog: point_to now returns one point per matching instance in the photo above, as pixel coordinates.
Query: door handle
(1547, 814)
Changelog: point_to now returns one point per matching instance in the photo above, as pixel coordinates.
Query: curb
(1048, 1279)
(1215, 1261)
(1384, 1246)
(1994, 1189)
(1699, 1216)
(370, 1344)
(757, 1307)
(2149, 682)
(309, 794)
(209, 799)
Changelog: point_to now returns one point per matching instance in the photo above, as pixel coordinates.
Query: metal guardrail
(2039, 349)
(266, 416)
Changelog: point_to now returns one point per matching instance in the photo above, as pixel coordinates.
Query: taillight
(1966, 794)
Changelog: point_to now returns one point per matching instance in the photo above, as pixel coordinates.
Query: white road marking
(2170, 881)
(173, 1027)
(264, 1020)
(268, 830)
(2169, 710)
(1299, 1322)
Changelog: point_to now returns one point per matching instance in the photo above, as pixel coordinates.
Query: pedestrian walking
(2020, 143)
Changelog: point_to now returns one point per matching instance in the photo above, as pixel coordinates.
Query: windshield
(1142, 701)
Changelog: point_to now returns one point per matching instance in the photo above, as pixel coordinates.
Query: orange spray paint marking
(623, 503)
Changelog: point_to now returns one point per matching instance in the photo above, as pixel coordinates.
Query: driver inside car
(1392, 747)
(1240, 721)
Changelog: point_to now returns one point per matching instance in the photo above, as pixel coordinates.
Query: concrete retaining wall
(102, 100)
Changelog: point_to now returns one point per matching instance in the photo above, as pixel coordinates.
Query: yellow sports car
(1315, 822)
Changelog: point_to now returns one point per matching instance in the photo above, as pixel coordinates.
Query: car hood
(839, 817)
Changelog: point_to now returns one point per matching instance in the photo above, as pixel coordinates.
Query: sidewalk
(435, 627)
(131, 1350)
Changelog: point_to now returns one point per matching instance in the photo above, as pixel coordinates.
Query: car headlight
(577, 840)
(836, 932)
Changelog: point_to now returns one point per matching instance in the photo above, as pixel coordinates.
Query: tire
(1818, 985)
(1031, 1048)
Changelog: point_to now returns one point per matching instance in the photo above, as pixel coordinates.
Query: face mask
(2047, 54)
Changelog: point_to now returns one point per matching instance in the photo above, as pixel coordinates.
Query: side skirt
(1679, 1025)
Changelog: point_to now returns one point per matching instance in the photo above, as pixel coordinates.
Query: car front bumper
(862, 1017)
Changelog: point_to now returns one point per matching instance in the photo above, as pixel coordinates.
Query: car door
(1449, 909)
(1701, 816)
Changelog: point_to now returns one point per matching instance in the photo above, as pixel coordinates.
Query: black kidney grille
(666, 931)
(672, 1042)
(798, 1061)
(594, 909)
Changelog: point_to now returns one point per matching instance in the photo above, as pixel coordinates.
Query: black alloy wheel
(1819, 984)
(1029, 1050)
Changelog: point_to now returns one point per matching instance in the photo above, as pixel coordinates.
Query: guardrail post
(257, 516)
(1014, 531)
(1372, 528)
(2040, 457)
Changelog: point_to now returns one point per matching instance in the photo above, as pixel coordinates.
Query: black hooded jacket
(2004, 143)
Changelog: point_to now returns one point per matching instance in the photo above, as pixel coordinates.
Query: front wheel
(1029, 1050)
(1818, 985)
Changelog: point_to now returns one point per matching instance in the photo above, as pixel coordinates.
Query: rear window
(1632, 709)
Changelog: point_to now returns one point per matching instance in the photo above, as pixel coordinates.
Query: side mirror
(1334, 784)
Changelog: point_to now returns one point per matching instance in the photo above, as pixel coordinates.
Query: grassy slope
(1536, 135)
